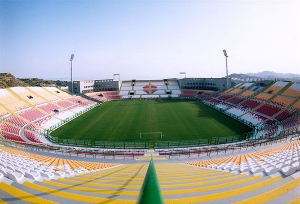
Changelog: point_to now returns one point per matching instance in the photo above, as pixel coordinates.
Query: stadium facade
(87, 86)
(214, 84)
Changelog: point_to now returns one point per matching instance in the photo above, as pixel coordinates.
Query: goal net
(151, 135)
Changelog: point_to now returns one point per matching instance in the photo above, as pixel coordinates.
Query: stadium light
(225, 54)
(71, 59)
(115, 76)
(183, 73)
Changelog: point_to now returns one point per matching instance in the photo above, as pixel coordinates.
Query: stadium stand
(60, 180)
(48, 108)
(276, 87)
(251, 104)
(27, 95)
(248, 93)
(188, 93)
(10, 101)
(57, 92)
(32, 115)
(293, 90)
(235, 100)
(262, 169)
(44, 93)
(148, 89)
(267, 161)
(264, 96)
(97, 96)
(3, 112)
(283, 100)
(203, 94)
(65, 104)
(296, 106)
(51, 108)
(111, 95)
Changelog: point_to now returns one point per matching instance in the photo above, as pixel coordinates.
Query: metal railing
(150, 192)
(145, 144)
(134, 153)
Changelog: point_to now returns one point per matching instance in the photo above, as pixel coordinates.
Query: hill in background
(269, 74)
(265, 75)
(9, 80)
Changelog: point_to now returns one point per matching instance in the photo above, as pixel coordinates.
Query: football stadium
(172, 144)
(149, 101)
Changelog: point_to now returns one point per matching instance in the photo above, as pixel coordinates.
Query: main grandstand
(262, 167)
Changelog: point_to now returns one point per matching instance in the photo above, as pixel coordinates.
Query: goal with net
(151, 135)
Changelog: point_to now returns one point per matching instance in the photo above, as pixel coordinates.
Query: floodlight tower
(225, 54)
(71, 59)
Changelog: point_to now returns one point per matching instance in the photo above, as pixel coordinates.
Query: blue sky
(148, 39)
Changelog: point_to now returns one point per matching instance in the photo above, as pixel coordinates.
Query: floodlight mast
(71, 59)
(225, 54)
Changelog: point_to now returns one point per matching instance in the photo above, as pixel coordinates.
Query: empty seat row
(284, 159)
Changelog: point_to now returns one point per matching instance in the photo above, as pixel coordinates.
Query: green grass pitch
(125, 120)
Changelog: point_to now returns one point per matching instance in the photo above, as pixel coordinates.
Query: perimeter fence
(171, 152)
(146, 144)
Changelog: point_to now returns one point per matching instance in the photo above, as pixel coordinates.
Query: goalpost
(151, 135)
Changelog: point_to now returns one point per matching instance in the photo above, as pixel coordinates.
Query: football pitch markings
(176, 119)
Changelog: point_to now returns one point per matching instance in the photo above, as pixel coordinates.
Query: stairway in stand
(151, 154)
